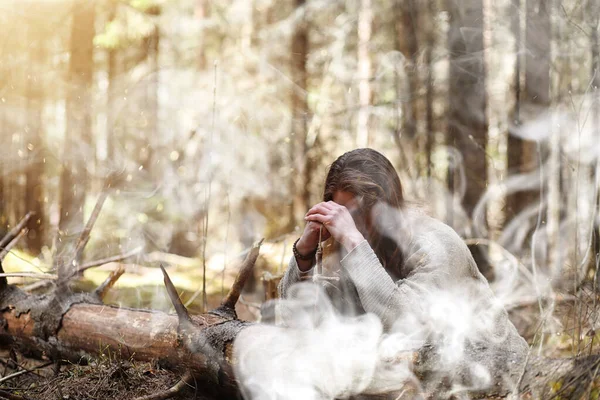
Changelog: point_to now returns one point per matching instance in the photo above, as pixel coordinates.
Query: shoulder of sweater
(423, 226)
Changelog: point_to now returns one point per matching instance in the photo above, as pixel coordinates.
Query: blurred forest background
(221, 117)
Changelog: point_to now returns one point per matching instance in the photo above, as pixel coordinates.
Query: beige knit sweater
(443, 303)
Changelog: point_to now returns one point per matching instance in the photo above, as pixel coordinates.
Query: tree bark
(430, 89)
(299, 107)
(467, 120)
(34, 173)
(365, 21)
(114, 72)
(152, 108)
(78, 136)
(522, 154)
(594, 9)
(407, 41)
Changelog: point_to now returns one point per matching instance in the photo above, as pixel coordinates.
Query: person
(411, 271)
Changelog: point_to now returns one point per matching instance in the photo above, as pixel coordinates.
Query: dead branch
(83, 267)
(7, 248)
(109, 282)
(10, 396)
(16, 229)
(180, 386)
(180, 309)
(84, 237)
(25, 371)
(34, 275)
(245, 271)
(102, 261)
(534, 300)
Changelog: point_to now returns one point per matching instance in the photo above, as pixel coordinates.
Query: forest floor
(105, 378)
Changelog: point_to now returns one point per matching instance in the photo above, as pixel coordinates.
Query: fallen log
(77, 327)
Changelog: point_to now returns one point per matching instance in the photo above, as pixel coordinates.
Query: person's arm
(306, 246)
(378, 293)
(292, 275)
(387, 299)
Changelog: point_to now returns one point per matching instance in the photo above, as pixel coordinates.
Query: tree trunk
(151, 109)
(299, 106)
(78, 136)
(594, 6)
(430, 89)
(114, 72)
(34, 196)
(522, 154)
(467, 124)
(4, 142)
(406, 38)
(365, 21)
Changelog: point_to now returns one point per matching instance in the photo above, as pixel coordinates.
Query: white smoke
(444, 332)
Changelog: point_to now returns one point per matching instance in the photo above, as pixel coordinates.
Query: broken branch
(109, 282)
(85, 236)
(25, 371)
(185, 381)
(102, 261)
(245, 271)
(16, 230)
(12, 243)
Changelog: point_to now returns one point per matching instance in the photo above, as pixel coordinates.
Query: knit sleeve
(387, 299)
(292, 275)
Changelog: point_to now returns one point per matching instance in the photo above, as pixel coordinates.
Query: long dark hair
(371, 178)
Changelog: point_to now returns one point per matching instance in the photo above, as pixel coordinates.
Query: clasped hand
(337, 221)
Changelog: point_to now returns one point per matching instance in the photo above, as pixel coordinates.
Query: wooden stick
(16, 230)
(85, 234)
(34, 275)
(102, 261)
(10, 396)
(13, 242)
(109, 282)
(25, 371)
(63, 275)
(86, 266)
(171, 392)
(245, 271)
(182, 312)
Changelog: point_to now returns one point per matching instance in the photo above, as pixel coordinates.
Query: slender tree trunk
(522, 154)
(594, 10)
(365, 21)
(430, 89)
(4, 142)
(408, 14)
(78, 137)
(152, 108)
(299, 106)
(467, 124)
(114, 74)
(34, 197)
